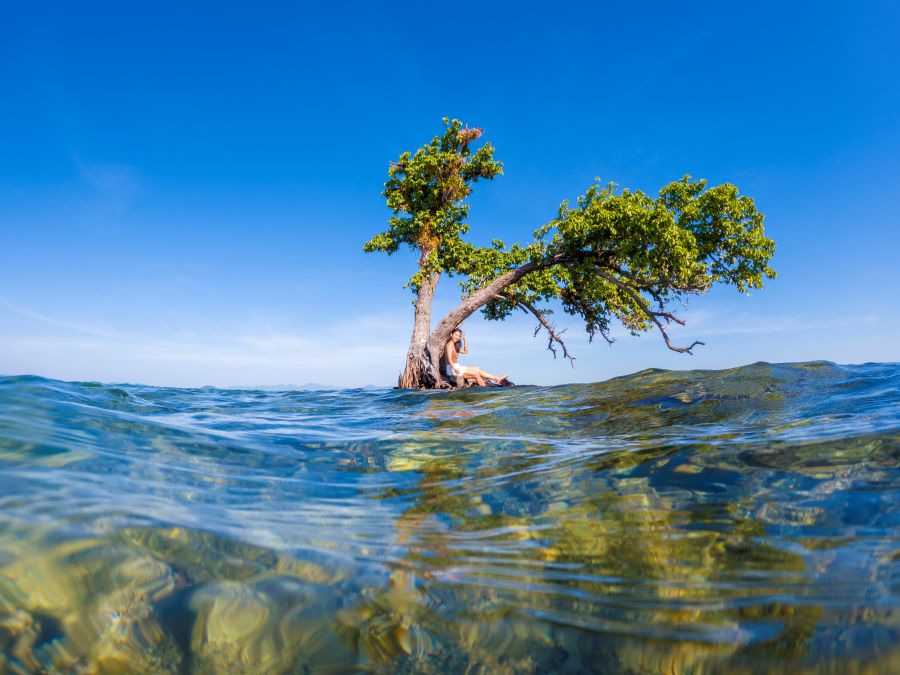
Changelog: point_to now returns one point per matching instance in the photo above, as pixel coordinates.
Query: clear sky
(185, 187)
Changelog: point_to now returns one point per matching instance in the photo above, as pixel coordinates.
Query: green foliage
(426, 192)
(615, 255)
(626, 256)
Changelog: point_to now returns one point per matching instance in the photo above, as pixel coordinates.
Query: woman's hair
(458, 343)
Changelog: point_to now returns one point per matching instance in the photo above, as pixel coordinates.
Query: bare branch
(553, 335)
(654, 316)
(669, 317)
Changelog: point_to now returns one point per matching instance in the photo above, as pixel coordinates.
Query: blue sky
(185, 188)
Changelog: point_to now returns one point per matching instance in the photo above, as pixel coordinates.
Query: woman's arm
(465, 349)
(450, 352)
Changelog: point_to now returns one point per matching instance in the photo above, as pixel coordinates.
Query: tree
(616, 255)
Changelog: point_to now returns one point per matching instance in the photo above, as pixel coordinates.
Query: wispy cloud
(349, 352)
(707, 323)
(84, 329)
(358, 351)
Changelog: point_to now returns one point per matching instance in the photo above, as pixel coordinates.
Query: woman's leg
(486, 375)
(481, 375)
(473, 371)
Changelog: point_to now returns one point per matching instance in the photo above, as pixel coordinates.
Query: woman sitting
(458, 370)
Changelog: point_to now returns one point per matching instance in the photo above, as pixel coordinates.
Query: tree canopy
(615, 255)
(426, 192)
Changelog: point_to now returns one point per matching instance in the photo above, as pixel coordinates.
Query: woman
(455, 368)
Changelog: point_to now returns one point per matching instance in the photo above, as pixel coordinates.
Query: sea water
(745, 520)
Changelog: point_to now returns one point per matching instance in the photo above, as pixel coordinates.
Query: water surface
(704, 521)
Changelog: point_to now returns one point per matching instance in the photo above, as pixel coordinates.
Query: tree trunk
(416, 374)
(424, 357)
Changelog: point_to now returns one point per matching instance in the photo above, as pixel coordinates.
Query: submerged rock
(274, 625)
(125, 637)
(84, 606)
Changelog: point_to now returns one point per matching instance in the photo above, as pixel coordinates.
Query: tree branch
(654, 316)
(469, 305)
(484, 294)
(553, 336)
(652, 285)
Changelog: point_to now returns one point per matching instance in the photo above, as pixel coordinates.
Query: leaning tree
(616, 255)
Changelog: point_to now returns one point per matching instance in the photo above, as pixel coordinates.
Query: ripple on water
(744, 519)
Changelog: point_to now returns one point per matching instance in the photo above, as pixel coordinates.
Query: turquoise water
(744, 520)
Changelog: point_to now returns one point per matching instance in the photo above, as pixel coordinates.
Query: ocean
(740, 521)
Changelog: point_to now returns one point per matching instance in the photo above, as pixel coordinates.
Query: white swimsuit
(455, 369)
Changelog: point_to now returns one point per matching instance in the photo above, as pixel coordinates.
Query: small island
(615, 255)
